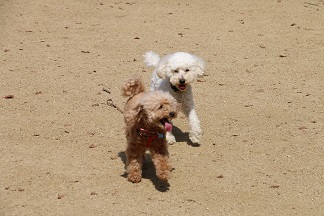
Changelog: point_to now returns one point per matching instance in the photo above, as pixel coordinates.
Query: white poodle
(174, 73)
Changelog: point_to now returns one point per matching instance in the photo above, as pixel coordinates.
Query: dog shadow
(183, 137)
(148, 172)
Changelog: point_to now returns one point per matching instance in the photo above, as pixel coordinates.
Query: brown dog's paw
(134, 177)
(163, 176)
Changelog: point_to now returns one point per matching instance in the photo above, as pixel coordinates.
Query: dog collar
(174, 88)
(149, 135)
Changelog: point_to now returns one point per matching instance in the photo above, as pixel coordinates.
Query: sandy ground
(260, 104)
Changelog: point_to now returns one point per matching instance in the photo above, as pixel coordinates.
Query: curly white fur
(174, 73)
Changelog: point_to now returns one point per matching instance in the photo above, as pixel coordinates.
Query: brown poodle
(147, 116)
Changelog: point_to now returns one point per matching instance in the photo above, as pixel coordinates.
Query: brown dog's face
(159, 108)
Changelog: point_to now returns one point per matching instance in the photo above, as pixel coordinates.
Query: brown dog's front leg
(134, 163)
(160, 157)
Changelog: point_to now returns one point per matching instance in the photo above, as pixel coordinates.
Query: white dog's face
(181, 77)
(181, 68)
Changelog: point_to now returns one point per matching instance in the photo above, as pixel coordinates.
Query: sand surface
(260, 105)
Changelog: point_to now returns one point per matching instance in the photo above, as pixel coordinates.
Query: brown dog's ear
(138, 112)
(133, 116)
(140, 109)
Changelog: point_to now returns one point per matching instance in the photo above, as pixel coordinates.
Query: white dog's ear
(201, 65)
(162, 71)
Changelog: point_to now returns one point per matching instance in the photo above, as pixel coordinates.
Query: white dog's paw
(195, 136)
(170, 138)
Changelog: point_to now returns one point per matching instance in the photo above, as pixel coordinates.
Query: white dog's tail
(151, 59)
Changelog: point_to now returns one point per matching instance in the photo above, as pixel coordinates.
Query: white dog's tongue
(182, 87)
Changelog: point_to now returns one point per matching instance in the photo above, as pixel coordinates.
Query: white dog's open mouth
(167, 125)
(182, 87)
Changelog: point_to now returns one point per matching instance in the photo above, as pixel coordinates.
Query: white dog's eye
(187, 70)
(176, 71)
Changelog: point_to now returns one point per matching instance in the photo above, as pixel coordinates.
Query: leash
(149, 135)
(111, 103)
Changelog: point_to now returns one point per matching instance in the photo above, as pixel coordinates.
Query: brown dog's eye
(187, 70)
(161, 106)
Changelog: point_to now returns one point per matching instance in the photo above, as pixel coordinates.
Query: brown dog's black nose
(182, 81)
(171, 114)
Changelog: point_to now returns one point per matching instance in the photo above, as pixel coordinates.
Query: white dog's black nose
(182, 81)
(171, 114)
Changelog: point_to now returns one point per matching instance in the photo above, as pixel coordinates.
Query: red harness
(149, 135)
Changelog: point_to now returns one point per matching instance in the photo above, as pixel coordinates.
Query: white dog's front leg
(170, 138)
(196, 132)
(188, 108)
